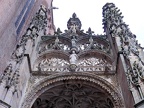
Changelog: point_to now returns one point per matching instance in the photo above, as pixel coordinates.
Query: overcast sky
(90, 14)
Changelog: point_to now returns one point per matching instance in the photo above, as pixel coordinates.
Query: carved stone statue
(91, 45)
(73, 42)
(73, 29)
(73, 58)
(56, 44)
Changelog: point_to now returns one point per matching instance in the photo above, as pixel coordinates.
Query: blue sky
(90, 14)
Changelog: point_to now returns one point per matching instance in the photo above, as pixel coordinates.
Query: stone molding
(52, 80)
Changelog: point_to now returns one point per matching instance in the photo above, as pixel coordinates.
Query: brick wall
(9, 12)
(122, 79)
(9, 9)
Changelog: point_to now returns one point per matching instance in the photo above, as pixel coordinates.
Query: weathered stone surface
(41, 67)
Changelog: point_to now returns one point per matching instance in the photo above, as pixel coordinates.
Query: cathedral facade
(42, 67)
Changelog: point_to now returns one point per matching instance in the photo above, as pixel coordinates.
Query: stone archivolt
(74, 95)
(75, 81)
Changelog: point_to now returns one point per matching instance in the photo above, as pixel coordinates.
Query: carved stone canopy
(74, 94)
(74, 21)
(73, 51)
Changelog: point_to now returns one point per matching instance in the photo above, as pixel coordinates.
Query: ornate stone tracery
(53, 64)
(73, 95)
(52, 81)
(75, 69)
(95, 64)
(76, 54)
(74, 44)
(91, 64)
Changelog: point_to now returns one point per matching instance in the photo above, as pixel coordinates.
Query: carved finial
(58, 32)
(74, 15)
(90, 32)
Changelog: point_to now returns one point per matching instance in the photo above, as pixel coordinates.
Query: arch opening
(74, 94)
(60, 83)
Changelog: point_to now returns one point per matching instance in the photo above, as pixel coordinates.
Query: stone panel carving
(91, 64)
(53, 64)
(95, 64)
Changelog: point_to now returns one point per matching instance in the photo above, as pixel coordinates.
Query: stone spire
(125, 41)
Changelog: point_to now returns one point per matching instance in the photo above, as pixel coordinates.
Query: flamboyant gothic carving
(74, 69)
(53, 65)
(74, 23)
(83, 65)
(70, 45)
(128, 45)
(40, 19)
(10, 81)
(74, 96)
